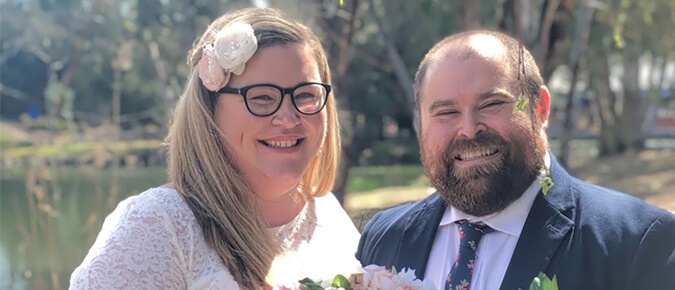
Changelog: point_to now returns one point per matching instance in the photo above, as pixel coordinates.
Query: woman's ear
(543, 106)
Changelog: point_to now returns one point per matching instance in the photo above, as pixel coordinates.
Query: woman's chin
(277, 184)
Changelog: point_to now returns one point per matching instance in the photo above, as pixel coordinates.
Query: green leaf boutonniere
(521, 102)
(546, 182)
(542, 282)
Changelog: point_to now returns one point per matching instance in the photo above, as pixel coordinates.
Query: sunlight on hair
(487, 46)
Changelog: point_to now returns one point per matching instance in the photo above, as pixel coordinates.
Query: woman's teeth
(281, 144)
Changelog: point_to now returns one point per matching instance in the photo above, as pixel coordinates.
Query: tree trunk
(583, 28)
(634, 104)
(510, 21)
(347, 121)
(403, 75)
(171, 89)
(556, 17)
(339, 50)
(547, 15)
(599, 69)
(471, 13)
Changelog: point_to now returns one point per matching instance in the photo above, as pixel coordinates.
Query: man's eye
(493, 104)
(446, 113)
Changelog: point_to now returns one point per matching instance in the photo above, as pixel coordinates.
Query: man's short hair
(521, 65)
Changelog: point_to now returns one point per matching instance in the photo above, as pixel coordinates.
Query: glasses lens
(310, 98)
(263, 100)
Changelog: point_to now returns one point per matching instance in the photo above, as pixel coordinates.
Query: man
(483, 111)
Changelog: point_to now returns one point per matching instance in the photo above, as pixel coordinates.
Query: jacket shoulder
(605, 207)
(395, 218)
(384, 232)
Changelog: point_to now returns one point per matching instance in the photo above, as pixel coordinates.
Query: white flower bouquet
(372, 277)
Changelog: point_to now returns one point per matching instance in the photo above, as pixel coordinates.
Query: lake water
(44, 236)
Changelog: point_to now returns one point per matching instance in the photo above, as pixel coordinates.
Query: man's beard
(487, 188)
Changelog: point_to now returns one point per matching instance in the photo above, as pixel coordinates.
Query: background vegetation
(87, 87)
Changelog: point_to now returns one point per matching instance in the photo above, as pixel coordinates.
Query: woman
(253, 149)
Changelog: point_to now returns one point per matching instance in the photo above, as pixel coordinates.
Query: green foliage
(546, 184)
(542, 282)
(70, 44)
(521, 103)
(311, 285)
(365, 178)
(77, 148)
(341, 282)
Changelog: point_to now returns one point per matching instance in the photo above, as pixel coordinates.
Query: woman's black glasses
(263, 100)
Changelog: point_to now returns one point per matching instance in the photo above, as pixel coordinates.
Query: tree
(628, 31)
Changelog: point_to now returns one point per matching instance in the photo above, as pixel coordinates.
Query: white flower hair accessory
(233, 47)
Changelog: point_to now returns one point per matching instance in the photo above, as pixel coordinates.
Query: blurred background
(87, 87)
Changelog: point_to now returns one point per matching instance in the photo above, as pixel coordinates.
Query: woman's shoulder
(152, 232)
(327, 200)
(329, 203)
(165, 198)
(137, 238)
(162, 203)
(155, 212)
(330, 213)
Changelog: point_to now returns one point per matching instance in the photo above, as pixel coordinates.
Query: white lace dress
(153, 241)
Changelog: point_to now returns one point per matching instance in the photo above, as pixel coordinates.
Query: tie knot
(472, 232)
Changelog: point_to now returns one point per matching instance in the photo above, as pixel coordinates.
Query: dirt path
(649, 174)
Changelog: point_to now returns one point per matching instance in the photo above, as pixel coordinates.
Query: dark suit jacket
(588, 236)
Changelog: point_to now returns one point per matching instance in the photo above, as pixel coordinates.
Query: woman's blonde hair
(206, 176)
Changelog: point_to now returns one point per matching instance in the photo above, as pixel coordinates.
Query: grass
(366, 178)
(76, 148)
(11, 136)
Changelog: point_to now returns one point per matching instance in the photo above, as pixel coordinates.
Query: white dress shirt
(494, 250)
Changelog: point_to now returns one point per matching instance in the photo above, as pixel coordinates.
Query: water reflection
(50, 217)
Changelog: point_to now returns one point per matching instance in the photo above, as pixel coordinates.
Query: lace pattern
(291, 235)
(153, 241)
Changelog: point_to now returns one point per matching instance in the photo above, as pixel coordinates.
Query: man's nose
(470, 126)
(287, 116)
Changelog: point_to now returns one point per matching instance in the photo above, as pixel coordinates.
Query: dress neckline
(301, 228)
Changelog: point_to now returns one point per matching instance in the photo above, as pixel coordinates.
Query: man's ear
(543, 106)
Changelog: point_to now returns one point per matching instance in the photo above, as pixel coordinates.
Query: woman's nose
(287, 116)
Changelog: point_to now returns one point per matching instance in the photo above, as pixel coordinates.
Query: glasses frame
(284, 91)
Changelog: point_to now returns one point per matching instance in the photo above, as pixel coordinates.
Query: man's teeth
(477, 154)
(281, 144)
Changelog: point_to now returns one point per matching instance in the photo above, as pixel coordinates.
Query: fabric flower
(210, 72)
(234, 46)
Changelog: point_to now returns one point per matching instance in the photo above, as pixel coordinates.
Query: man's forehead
(470, 51)
(476, 50)
(481, 45)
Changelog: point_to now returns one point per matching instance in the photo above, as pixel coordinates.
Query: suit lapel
(419, 234)
(545, 228)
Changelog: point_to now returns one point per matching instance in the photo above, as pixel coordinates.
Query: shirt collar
(510, 220)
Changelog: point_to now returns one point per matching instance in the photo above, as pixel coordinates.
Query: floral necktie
(469, 237)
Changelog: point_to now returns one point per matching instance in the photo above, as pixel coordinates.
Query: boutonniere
(546, 182)
(542, 282)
